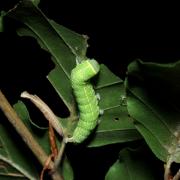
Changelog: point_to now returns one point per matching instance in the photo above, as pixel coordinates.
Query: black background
(119, 32)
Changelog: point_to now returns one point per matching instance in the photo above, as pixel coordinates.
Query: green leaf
(131, 165)
(76, 42)
(152, 142)
(106, 78)
(64, 45)
(14, 163)
(67, 170)
(153, 101)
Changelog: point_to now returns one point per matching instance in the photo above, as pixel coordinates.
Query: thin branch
(59, 156)
(47, 112)
(25, 134)
(167, 170)
(46, 167)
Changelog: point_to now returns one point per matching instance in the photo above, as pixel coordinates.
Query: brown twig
(60, 155)
(52, 139)
(47, 112)
(25, 134)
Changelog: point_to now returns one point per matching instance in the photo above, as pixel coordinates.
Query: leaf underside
(132, 164)
(153, 93)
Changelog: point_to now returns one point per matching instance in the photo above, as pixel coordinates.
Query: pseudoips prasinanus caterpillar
(86, 99)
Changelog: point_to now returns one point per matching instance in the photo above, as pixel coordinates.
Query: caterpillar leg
(101, 112)
(98, 96)
(78, 60)
(67, 139)
(123, 100)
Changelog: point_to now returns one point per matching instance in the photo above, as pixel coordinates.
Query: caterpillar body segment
(86, 99)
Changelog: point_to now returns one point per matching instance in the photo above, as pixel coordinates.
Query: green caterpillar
(86, 99)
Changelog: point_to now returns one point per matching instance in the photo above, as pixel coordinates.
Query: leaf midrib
(155, 113)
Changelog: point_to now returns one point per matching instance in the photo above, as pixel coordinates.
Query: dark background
(119, 32)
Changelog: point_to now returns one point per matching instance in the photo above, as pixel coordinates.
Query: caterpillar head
(85, 71)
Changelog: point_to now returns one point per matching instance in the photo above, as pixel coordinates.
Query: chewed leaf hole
(116, 119)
